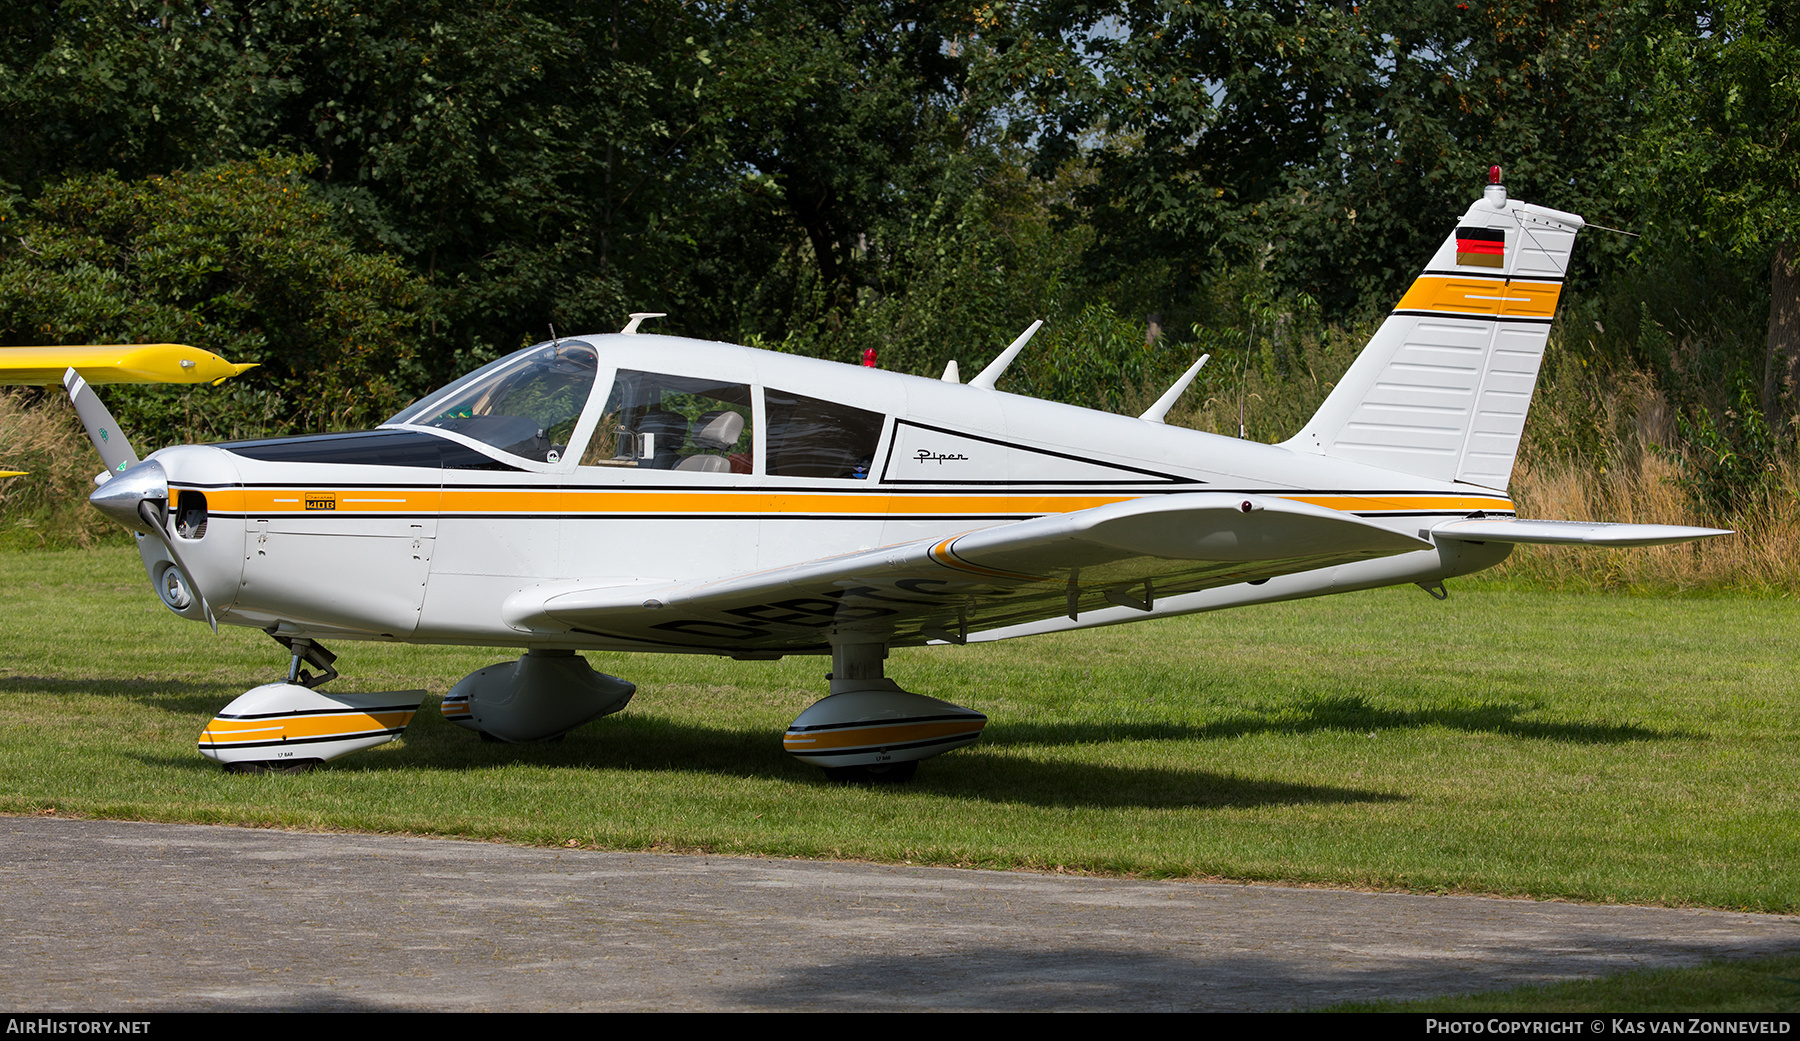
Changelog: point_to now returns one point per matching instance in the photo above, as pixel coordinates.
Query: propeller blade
(102, 429)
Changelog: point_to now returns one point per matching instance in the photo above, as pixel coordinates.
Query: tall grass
(46, 507)
(1607, 446)
(1760, 557)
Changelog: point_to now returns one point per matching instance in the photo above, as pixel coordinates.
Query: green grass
(1511, 741)
(1752, 985)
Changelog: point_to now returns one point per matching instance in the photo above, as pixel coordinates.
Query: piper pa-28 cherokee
(634, 492)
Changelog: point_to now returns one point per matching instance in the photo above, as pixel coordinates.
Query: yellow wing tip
(236, 369)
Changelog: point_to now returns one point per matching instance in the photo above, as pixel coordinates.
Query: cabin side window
(808, 437)
(660, 422)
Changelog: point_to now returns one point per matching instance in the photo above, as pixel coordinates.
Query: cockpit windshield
(525, 404)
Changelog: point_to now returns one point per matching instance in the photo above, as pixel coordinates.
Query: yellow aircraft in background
(115, 363)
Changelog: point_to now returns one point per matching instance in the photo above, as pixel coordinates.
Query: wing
(1127, 554)
(1572, 533)
(115, 363)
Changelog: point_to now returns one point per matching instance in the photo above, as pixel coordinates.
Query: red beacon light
(869, 352)
(1495, 192)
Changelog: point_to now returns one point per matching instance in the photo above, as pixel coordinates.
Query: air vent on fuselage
(190, 514)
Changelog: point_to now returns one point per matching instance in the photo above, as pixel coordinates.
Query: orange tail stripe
(1483, 296)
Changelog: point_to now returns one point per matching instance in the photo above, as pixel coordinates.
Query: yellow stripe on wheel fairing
(303, 727)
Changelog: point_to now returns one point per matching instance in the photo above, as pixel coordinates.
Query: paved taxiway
(106, 915)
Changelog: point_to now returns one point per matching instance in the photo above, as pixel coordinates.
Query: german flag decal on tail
(1481, 247)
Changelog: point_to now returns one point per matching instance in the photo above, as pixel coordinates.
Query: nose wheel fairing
(278, 725)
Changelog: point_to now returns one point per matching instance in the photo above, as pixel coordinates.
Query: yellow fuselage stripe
(725, 503)
(1412, 504)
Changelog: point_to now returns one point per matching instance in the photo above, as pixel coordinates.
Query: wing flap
(1127, 553)
(1572, 533)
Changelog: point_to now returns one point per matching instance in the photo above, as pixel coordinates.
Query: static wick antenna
(998, 366)
(1243, 377)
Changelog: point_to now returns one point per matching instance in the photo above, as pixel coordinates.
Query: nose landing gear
(291, 726)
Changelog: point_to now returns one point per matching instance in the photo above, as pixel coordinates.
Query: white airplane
(634, 492)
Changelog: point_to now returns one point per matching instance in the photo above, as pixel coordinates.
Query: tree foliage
(1721, 146)
(1323, 139)
(241, 257)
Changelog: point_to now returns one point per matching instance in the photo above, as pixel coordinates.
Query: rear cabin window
(808, 437)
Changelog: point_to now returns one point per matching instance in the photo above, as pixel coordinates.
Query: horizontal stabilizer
(1572, 533)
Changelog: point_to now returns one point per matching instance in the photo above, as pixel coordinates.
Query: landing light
(173, 588)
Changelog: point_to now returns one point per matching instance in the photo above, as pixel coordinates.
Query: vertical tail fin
(1442, 388)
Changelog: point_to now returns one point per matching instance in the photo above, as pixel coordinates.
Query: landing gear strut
(312, 653)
